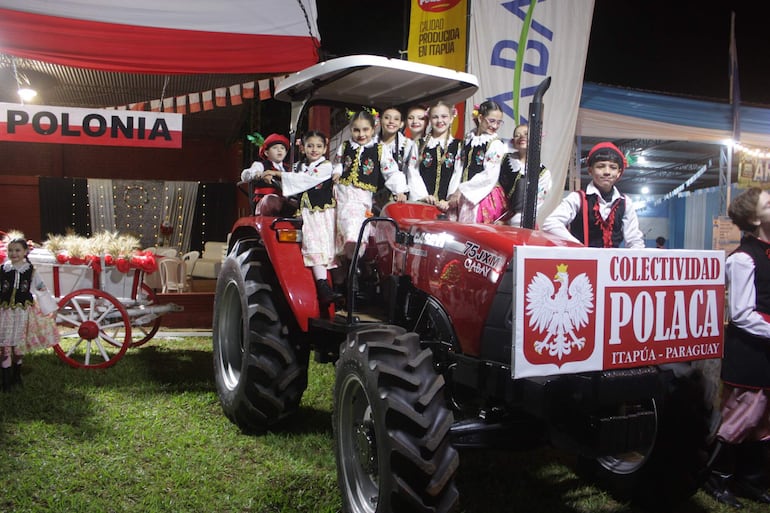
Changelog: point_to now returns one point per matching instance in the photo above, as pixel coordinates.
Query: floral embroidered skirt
(27, 329)
(353, 206)
(318, 244)
(13, 326)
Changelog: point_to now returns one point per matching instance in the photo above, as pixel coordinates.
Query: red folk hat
(272, 140)
(607, 151)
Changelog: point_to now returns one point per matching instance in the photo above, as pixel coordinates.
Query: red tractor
(465, 336)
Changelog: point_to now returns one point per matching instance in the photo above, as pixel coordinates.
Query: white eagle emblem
(559, 314)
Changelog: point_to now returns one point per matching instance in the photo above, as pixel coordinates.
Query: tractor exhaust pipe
(532, 168)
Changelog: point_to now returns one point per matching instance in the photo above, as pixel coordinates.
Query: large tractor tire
(673, 468)
(391, 426)
(260, 377)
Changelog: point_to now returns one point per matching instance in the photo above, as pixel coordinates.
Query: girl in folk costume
(600, 216)
(312, 181)
(399, 145)
(360, 165)
(479, 198)
(435, 166)
(417, 123)
(512, 173)
(740, 462)
(22, 324)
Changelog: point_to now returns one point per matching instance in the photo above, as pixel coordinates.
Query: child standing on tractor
(312, 181)
(512, 177)
(435, 165)
(740, 463)
(600, 216)
(360, 166)
(22, 324)
(479, 198)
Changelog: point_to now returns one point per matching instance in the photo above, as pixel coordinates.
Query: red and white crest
(559, 308)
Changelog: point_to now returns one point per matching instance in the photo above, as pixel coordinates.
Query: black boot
(750, 476)
(17, 375)
(326, 295)
(6, 375)
(719, 482)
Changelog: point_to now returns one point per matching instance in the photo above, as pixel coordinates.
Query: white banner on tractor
(555, 42)
(102, 127)
(590, 309)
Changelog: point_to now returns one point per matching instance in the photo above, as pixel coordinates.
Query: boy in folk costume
(600, 216)
(272, 153)
(740, 463)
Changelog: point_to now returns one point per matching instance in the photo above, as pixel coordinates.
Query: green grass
(148, 435)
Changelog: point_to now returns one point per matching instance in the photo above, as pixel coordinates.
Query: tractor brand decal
(587, 309)
(482, 261)
(436, 240)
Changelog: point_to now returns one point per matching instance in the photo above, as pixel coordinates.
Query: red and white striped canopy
(167, 36)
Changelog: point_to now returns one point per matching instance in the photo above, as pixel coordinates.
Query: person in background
(22, 325)
(360, 165)
(272, 153)
(600, 216)
(512, 174)
(660, 243)
(479, 198)
(740, 462)
(312, 182)
(417, 123)
(391, 136)
(434, 168)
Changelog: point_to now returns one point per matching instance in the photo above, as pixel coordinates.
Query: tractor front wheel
(391, 426)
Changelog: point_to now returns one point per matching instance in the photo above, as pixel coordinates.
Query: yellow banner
(753, 171)
(438, 33)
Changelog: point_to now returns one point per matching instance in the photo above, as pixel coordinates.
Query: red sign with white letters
(587, 309)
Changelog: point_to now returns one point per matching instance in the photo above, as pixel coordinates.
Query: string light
(752, 152)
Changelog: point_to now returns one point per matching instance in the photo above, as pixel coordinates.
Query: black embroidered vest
(474, 160)
(361, 166)
(589, 215)
(437, 166)
(746, 361)
(15, 297)
(319, 197)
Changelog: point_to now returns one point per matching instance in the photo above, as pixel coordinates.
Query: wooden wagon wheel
(95, 329)
(143, 333)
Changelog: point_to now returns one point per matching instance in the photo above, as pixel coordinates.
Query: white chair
(167, 252)
(189, 259)
(173, 277)
(208, 265)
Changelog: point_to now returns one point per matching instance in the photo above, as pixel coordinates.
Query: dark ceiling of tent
(666, 164)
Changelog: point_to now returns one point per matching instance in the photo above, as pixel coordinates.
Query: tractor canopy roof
(371, 80)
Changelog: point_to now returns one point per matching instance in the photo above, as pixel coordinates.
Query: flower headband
(370, 110)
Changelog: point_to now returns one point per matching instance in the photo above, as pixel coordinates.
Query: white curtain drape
(695, 222)
(102, 207)
(178, 210)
